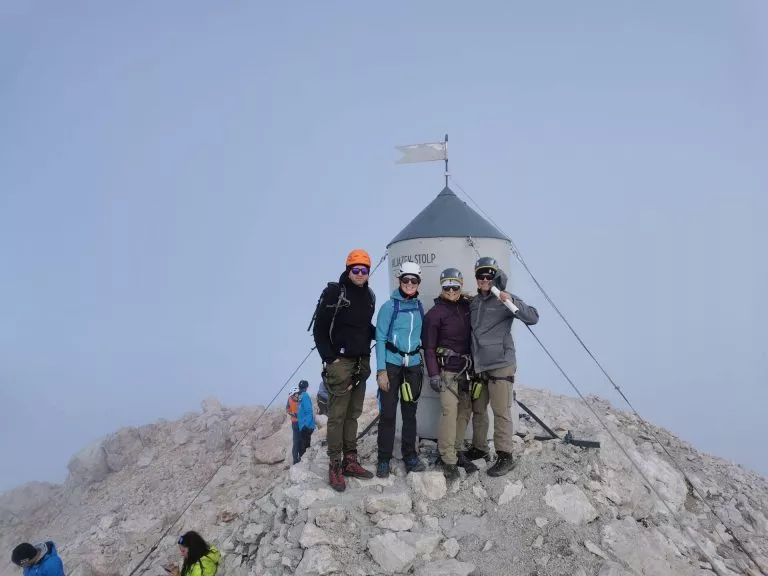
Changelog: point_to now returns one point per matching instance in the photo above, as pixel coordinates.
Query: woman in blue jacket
(399, 370)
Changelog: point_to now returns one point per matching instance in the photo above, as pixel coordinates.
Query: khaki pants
(345, 403)
(499, 393)
(454, 418)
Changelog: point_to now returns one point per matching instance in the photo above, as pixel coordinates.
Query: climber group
(470, 358)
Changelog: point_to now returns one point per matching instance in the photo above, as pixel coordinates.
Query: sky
(178, 180)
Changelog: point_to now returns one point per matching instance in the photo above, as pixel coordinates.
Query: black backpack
(341, 302)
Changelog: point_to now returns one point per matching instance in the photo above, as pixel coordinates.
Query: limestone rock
(396, 523)
(389, 503)
(430, 485)
(446, 568)
(391, 553)
(570, 503)
(451, 547)
(89, 465)
(511, 491)
(318, 561)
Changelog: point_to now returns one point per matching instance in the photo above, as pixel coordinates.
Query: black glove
(436, 382)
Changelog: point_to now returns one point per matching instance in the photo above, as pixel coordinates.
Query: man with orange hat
(343, 332)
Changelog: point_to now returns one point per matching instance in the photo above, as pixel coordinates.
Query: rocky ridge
(563, 510)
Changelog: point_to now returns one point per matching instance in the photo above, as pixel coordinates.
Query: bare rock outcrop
(561, 510)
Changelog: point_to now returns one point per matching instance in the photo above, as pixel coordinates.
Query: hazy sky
(178, 180)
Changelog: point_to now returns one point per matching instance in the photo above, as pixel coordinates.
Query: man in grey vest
(493, 354)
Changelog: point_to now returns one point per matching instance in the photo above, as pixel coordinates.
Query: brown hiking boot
(351, 467)
(335, 477)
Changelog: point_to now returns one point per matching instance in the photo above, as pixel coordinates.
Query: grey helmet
(451, 277)
(486, 262)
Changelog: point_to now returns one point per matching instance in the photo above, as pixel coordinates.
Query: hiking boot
(413, 464)
(351, 467)
(475, 454)
(466, 463)
(503, 464)
(335, 477)
(382, 469)
(450, 471)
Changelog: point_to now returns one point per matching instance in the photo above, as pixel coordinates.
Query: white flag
(422, 152)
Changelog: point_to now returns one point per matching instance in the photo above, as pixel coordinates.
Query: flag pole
(446, 161)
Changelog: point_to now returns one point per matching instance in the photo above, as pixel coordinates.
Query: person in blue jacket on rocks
(306, 417)
(299, 408)
(38, 559)
(398, 368)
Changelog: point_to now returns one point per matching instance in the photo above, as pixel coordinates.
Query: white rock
(451, 547)
(107, 522)
(511, 491)
(89, 465)
(541, 522)
(300, 474)
(268, 453)
(570, 503)
(253, 533)
(646, 551)
(391, 553)
(181, 436)
(479, 492)
(309, 497)
(595, 549)
(430, 485)
(488, 546)
(539, 542)
(423, 543)
(389, 503)
(318, 561)
(397, 523)
(446, 568)
(313, 536)
(211, 406)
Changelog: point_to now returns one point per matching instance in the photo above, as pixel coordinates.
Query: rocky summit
(563, 510)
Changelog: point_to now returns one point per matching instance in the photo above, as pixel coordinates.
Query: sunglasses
(451, 288)
(361, 271)
(409, 280)
(484, 276)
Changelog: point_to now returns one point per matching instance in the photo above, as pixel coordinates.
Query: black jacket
(352, 328)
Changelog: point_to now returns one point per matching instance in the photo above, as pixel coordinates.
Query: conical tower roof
(448, 217)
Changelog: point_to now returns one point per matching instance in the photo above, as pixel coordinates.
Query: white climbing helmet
(409, 268)
(294, 390)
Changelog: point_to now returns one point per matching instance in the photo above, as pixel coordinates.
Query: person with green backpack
(399, 370)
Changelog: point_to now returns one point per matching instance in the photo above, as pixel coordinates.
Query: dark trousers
(388, 414)
(322, 405)
(296, 449)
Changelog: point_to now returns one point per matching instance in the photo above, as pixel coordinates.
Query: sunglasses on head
(359, 270)
(409, 280)
(180, 541)
(451, 288)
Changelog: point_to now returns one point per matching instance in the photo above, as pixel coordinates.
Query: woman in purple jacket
(446, 341)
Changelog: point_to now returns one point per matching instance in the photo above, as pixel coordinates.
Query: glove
(436, 383)
(382, 380)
